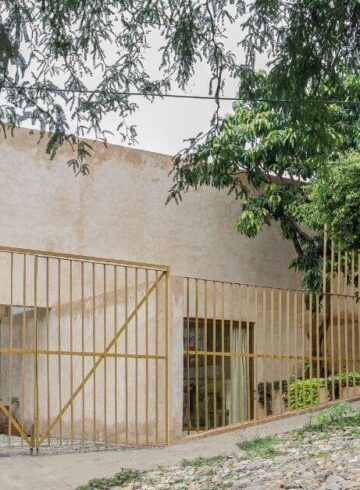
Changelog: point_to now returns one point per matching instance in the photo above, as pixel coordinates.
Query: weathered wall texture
(119, 211)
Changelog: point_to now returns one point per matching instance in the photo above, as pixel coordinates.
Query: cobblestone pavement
(329, 460)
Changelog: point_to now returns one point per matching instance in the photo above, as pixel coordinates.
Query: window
(217, 371)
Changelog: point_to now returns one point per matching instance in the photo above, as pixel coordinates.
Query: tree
(307, 40)
(266, 158)
(45, 41)
(334, 202)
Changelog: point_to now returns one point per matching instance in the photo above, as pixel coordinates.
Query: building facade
(93, 348)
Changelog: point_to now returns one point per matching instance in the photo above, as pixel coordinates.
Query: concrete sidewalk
(60, 472)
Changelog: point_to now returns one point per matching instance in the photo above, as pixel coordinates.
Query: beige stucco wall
(118, 211)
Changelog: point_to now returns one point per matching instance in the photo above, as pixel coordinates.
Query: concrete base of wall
(265, 421)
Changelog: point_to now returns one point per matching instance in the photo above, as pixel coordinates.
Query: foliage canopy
(266, 157)
(100, 50)
(334, 201)
(69, 64)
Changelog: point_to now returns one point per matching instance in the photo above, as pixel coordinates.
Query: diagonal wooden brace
(14, 423)
(100, 358)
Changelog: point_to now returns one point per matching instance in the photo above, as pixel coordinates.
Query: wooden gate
(83, 351)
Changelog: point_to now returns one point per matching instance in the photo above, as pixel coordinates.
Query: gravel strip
(328, 461)
(20, 448)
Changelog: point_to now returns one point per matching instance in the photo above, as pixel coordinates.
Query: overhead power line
(191, 97)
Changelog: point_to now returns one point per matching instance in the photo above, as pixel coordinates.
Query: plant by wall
(265, 391)
(303, 393)
(342, 379)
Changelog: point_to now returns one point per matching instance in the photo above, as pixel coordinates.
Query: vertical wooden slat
(288, 347)
(214, 354)
(352, 299)
(272, 360)
(188, 355)
(116, 357)
(157, 394)
(167, 336)
(311, 347)
(295, 294)
(11, 327)
(59, 348)
(358, 311)
(82, 350)
(126, 359)
(331, 299)
(136, 360)
(256, 354)
(231, 358)
(197, 355)
(339, 333)
(303, 344)
(280, 352)
(346, 322)
(248, 395)
(23, 344)
(105, 355)
(206, 355)
(318, 352)
(325, 308)
(36, 347)
(240, 355)
(223, 408)
(48, 384)
(264, 349)
(147, 358)
(71, 350)
(94, 348)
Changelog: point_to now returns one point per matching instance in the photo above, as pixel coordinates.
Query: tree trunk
(317, 339)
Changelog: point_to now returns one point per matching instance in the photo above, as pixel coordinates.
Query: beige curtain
(238, 413)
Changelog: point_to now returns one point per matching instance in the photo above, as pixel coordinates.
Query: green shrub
(303, 393)
(339, 415)
(353, 377)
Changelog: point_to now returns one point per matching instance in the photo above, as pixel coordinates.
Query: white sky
(163, 125)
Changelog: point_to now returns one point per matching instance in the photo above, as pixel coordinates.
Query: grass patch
(217, 459)
(340, 415)
(260, 446)
(126, 475)
(197, 462)
(355, 431)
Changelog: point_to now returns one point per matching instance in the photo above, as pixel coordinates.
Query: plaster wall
(119, 211)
